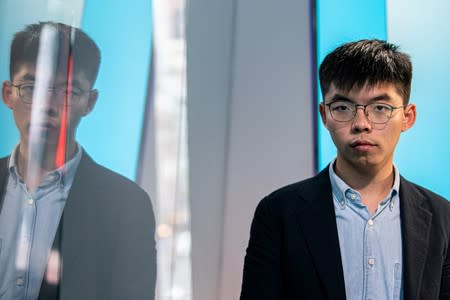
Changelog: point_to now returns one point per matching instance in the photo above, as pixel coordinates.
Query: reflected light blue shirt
(370, 244)
(28, 223)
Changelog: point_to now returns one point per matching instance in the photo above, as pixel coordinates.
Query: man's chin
(363, 161)
(43, 137)
(369, 163)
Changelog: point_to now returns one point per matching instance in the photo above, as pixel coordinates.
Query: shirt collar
(12, 165)
(65, 173)
(340, 188)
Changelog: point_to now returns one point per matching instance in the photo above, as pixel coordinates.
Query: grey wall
(209, 34)
(250, 124)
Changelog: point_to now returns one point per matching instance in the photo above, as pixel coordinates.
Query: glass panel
(69, 226)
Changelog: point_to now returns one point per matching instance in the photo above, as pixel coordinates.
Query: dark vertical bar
(314, 94)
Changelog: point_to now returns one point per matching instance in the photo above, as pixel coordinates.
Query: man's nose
(361, 122)
(56, 93)
(55, 98)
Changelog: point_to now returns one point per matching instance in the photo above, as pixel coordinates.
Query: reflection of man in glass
(69, 228)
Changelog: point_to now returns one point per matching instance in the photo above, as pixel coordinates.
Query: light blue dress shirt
(370, 244)
(28, 223)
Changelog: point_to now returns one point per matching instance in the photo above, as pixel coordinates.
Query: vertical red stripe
(62, 137)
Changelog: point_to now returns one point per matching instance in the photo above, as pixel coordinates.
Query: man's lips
(362, 145)
(45, 125)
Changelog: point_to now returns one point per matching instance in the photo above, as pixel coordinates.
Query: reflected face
(359, 142)
(44, 116)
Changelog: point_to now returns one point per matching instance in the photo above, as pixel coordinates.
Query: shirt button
(353, 196)
(371, 261)
(30, 201)
(20, 281)
(370, 222)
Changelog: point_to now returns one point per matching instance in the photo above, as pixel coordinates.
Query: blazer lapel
(74, 228)
(3, 179)
(70, 233)
(318, 225)
(416, 225)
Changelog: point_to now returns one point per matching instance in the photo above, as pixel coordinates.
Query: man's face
(360, 143)
(47, 117)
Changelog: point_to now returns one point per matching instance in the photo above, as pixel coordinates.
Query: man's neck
(373, 183)
(32, 167)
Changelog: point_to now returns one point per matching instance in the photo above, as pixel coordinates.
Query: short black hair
(84, 51)
(369, 62)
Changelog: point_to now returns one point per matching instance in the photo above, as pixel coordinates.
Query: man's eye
(27, 88)
(341, 108)
(381, 108)
(77, 93)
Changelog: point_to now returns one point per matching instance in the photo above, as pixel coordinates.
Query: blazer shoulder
(4, 161)
(3, 176)
(434, 203)
(3, 166)
(299, 193)
(434, 199)
(115, 183)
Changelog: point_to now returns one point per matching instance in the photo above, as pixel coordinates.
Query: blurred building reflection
(170, 152)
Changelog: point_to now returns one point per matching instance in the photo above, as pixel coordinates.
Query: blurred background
(211, 104)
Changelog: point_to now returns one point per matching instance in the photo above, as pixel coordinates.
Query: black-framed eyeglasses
(26, 91)
(377, 113)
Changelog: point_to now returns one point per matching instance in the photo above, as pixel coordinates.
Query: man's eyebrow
(27, 77)
(339, 97)
(30, 77)
(75, 84)
(384, 97)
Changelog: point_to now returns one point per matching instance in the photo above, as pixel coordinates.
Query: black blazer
(294, 253)
(107, 237)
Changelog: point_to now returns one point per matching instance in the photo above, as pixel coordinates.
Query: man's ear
(409, 117)
(323, 113)
(93, 95)
(7, 90)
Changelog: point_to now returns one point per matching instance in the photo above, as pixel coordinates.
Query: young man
(69, 228)
(357, 230)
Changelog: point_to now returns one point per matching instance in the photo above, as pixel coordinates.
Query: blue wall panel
(423, 31)
(339, 22)
(13, 18)
(112, 132)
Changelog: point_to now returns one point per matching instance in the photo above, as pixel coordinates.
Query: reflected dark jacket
(294, 253)
(107, 237)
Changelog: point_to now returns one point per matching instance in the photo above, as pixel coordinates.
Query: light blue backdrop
(111, 133)
(13, 18)
(339, 22)
(422, 31)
